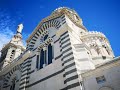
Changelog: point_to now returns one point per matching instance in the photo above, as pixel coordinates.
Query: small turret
(99, 46)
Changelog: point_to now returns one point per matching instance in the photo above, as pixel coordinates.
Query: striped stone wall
(70, 72)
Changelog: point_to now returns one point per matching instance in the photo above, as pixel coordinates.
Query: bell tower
(13, 49)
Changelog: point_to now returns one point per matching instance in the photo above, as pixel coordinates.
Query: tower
(75, 49)
(13, 49)
(59, 50)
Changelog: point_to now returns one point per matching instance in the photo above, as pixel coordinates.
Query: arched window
(106, 48)
(13, 51)
(41, 40)
(41, 59)
(45, 37)
(37, 62)
(45, 57)
(50, 56)
(12, 54)
(12, 87)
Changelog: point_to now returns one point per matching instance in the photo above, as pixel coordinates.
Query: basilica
(61, 54)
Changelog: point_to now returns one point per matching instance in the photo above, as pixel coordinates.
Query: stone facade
(105, 77)
(61, 54)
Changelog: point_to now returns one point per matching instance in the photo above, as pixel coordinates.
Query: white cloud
(5, 32)
(8, 27)
(5, 36)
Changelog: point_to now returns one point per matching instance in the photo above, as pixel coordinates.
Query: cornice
(14, 45)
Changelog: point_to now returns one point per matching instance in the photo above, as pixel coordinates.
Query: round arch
(12, 77)
(42, 31)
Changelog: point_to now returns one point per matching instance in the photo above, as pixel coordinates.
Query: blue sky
(98, 15)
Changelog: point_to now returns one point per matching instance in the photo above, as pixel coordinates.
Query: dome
(63, 8)
(69, 12)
